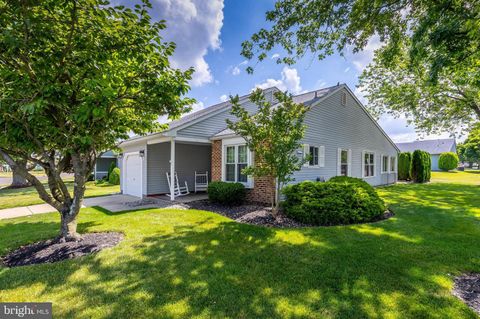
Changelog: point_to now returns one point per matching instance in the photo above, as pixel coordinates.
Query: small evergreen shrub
(351, 180)
(114, 177)
(421, 166)
(110, 169)
(337, 202)
(226, 193)
(448, 161)
(405, 166)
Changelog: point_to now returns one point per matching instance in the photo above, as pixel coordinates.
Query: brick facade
(263, 188)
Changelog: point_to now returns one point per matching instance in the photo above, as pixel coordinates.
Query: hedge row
(405, 166)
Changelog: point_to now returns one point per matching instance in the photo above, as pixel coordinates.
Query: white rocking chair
(201, 181)
(177, 189)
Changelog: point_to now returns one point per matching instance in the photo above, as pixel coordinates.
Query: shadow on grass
(190, 263)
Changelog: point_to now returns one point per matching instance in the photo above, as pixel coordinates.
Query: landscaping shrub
(226, 193)
(405, 166)
(421, 166)
(448, 161)
(338, 202)
(110, 169)
(114, 177)
(351, 180)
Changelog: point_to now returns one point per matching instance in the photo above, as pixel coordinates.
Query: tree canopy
(76, 76)
(469, 150)
(430, 51)
(273, 134)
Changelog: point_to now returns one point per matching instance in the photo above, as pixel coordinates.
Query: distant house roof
(430, 146)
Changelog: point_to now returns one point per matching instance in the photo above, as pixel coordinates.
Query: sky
(209, 33)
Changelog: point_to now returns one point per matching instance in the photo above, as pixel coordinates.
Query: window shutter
(321, 156)
(349, 172)
(339, 162)
(306, 151)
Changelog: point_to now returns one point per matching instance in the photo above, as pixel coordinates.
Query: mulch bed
(50, 251)
(467, 288)
(256, 214)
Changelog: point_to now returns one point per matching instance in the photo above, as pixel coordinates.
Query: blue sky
(209, 33)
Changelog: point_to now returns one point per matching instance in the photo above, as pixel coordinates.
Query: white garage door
(133, 175)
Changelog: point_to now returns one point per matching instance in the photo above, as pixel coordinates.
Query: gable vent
(344, 98)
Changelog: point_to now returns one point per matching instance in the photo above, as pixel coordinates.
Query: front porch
(192, 197)
(180, 156)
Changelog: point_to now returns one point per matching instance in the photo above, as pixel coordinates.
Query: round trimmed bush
(337, 202)
(226, 193)
(448, 161)
(114, 177)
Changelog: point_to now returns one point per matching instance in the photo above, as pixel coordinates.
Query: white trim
(237, 141)
(339, 161)
(321, 156)
(390, 164)
(374, 163)
(172, 169)
(381, 164)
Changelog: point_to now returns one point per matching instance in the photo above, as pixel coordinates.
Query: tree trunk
(19, 181)
(68, 226)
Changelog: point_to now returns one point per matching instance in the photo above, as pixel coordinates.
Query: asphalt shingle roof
(430, 146)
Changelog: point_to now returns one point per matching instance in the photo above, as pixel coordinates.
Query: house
(341, 136)
(103, 164)
(433, 147)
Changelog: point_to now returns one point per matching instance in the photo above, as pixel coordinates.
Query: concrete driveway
(113, 203)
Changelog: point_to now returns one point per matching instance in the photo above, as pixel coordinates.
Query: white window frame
(388, 164)
(321, 155)
(394, 168)
(236, 142)
(374, 164)
(339, 161)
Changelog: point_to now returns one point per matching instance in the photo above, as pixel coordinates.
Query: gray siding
(211, 126)
(188, 159)
(336, 126)
(435, 158)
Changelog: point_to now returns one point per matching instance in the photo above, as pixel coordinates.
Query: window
(343, 160)
(393, 164)
(369, 164)
(236, 159)
(384, 164)
(313, 156)
(317, 155)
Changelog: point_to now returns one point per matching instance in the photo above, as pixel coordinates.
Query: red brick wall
(263, 189)
(217, 160)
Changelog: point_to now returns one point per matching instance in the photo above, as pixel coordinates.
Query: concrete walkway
(113, 203)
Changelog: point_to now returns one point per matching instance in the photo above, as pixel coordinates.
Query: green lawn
(196, 264)
(28, 196)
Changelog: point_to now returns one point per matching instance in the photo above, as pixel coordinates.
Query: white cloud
(275, 56)
(290, 81)
(245, 62)
(361, 59)
(236, 71)
(194, 25)
(346, 69)
(224, 98)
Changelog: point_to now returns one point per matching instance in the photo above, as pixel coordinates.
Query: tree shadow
(207, 266)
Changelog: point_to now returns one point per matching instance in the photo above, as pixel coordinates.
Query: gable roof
(431, 146)
(311, 99)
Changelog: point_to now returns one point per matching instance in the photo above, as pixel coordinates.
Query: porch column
(172, 168)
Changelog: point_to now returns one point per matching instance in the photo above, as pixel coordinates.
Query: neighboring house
(103, 164)
(433, 147)
(341, 136)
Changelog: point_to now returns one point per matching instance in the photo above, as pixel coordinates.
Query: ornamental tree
(76, 76)
(273, 134)
(469, 150)
(427, 68)
(448, 161)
